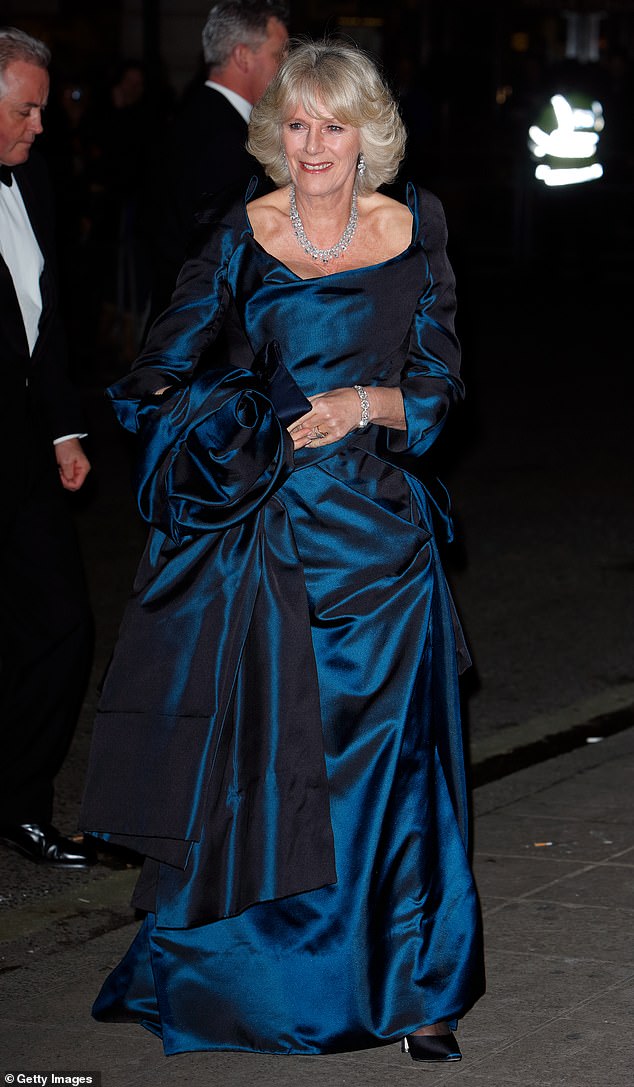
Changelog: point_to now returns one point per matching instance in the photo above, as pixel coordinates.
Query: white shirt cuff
(67, 438)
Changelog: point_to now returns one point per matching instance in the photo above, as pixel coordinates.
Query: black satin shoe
(43, 844)
(432, 1047)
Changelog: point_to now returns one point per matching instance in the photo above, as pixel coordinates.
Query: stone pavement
(554, 859)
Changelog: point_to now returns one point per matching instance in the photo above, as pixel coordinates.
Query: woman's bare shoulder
(386, 209)
(388, 221)
(265, 212)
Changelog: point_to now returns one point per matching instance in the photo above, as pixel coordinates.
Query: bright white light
(569, 176)
(563, 145)
(566, 141)
(583, 118)
(574, 137)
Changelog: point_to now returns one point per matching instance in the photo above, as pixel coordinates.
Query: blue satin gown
(279, 731)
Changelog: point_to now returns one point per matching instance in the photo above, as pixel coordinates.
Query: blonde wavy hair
(348, 84)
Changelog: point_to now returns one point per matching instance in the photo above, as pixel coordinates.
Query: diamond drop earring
(361, 164)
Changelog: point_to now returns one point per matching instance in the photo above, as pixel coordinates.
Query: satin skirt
(395, 942)
(385, 950)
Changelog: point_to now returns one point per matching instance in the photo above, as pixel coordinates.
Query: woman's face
(322, 152)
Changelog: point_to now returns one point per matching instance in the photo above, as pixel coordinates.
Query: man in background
(243, 42)
(45, 619)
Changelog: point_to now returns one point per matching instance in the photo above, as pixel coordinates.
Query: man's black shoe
(42, 843)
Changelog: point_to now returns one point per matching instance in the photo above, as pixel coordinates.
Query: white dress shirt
(23, 257)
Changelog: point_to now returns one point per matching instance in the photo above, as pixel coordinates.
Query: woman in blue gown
(279, 730)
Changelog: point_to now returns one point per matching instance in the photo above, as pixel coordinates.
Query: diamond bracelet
(365, 406)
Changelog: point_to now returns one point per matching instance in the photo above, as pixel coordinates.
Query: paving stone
(556, 928)
(549, 835)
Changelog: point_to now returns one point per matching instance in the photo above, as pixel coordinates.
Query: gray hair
(232, 22)
(349, 85)
(16, 45)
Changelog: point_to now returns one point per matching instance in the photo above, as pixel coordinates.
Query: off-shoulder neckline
(412, 203)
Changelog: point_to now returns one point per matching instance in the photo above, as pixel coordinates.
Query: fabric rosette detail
(210, 453)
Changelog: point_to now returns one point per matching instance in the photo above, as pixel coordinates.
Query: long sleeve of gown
(211, 447)
(430, 379)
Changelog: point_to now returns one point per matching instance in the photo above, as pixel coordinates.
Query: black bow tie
(6, 177)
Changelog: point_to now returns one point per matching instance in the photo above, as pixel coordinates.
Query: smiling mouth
(315, 167)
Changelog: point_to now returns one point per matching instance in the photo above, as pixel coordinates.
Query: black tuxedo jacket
(38, 402)
(204, 153)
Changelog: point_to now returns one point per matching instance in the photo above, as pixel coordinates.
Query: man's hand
(72, 462)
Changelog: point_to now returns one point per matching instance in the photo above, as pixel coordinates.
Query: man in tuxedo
(45, 618)
(243, 42)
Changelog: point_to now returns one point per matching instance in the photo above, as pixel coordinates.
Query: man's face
(267, 58)
(21, 110)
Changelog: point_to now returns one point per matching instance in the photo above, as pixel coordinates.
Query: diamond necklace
(323, 255)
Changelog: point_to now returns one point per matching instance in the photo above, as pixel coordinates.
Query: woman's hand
(334, 414)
